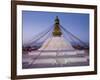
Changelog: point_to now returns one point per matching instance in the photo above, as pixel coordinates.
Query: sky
(34, 22)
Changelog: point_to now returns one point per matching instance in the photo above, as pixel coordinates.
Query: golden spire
(57, 31)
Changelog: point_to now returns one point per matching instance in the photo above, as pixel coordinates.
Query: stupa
(55, 52)
(56, 42)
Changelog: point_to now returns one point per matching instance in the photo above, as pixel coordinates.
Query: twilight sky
(34, 22)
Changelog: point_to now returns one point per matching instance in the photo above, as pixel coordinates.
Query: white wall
(5, 54)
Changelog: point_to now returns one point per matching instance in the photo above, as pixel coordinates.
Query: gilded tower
(57, 30)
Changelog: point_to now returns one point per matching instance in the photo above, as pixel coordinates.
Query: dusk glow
(35, 22)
